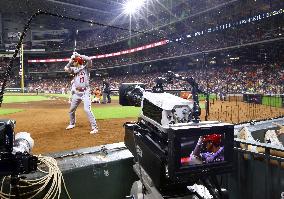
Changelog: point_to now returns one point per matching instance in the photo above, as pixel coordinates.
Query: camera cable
(45, 187)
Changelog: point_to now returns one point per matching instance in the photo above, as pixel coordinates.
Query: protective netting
(238, 45)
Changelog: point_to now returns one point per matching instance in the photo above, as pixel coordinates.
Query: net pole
(22, 68)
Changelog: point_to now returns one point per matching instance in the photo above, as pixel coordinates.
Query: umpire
(106, 92)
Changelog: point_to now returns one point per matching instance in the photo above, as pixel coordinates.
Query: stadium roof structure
(102, 10)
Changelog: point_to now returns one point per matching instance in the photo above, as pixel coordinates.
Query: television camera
(15, 157)
(172, 148)
(15, 150)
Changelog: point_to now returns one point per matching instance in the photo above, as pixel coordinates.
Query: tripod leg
(198, 195)
(222, 193)
(210, 189)
(14, 186)
(214, 180)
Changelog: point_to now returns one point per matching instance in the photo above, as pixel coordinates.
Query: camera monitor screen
(200, 150)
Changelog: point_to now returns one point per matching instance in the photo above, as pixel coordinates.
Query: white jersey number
(82, 77)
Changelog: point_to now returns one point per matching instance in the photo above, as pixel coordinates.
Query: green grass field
(116, 112)
(56, 95)
(9, 111)
(100, 113)
(105, 112)
(19, 98)
(23, 98)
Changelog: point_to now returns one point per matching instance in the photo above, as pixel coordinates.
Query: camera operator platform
(173, 150)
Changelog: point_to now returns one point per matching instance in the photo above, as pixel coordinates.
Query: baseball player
(213, 151)
(207, 150)
(80, 65)
(72, 91)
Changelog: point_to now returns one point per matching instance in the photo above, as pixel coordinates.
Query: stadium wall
(108, 176)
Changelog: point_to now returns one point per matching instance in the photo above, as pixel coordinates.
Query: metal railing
(257, 174)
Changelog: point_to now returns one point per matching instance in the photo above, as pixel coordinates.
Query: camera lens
(23, 143)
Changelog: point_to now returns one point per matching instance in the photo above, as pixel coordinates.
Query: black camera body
(167, 160)
(132, 93)
(168, 143)
(6, 135)
(15, 158)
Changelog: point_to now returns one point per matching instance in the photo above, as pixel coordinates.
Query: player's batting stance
(80, 65)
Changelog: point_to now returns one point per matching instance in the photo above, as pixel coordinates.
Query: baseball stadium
(142, 99)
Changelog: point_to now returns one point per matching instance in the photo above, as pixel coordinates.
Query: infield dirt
(47, 120)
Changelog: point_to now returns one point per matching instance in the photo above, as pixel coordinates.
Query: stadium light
(132, 6)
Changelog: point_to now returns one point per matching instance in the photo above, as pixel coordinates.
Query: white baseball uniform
(80, 90)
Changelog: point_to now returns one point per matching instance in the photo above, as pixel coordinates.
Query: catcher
(80, 66)
(98, 95)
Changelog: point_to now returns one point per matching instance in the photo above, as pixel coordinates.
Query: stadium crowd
(262, 31)
(49, 85)
(267, 79)
(100, 36)
(215, 25)
(211, 41)
(46, 67)
(12, 82)
(188, 18)
(4, 61)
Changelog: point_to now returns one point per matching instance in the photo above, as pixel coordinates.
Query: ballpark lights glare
(132, 6)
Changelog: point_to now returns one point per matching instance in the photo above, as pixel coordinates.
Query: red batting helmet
(214, 138)
(79, 60)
